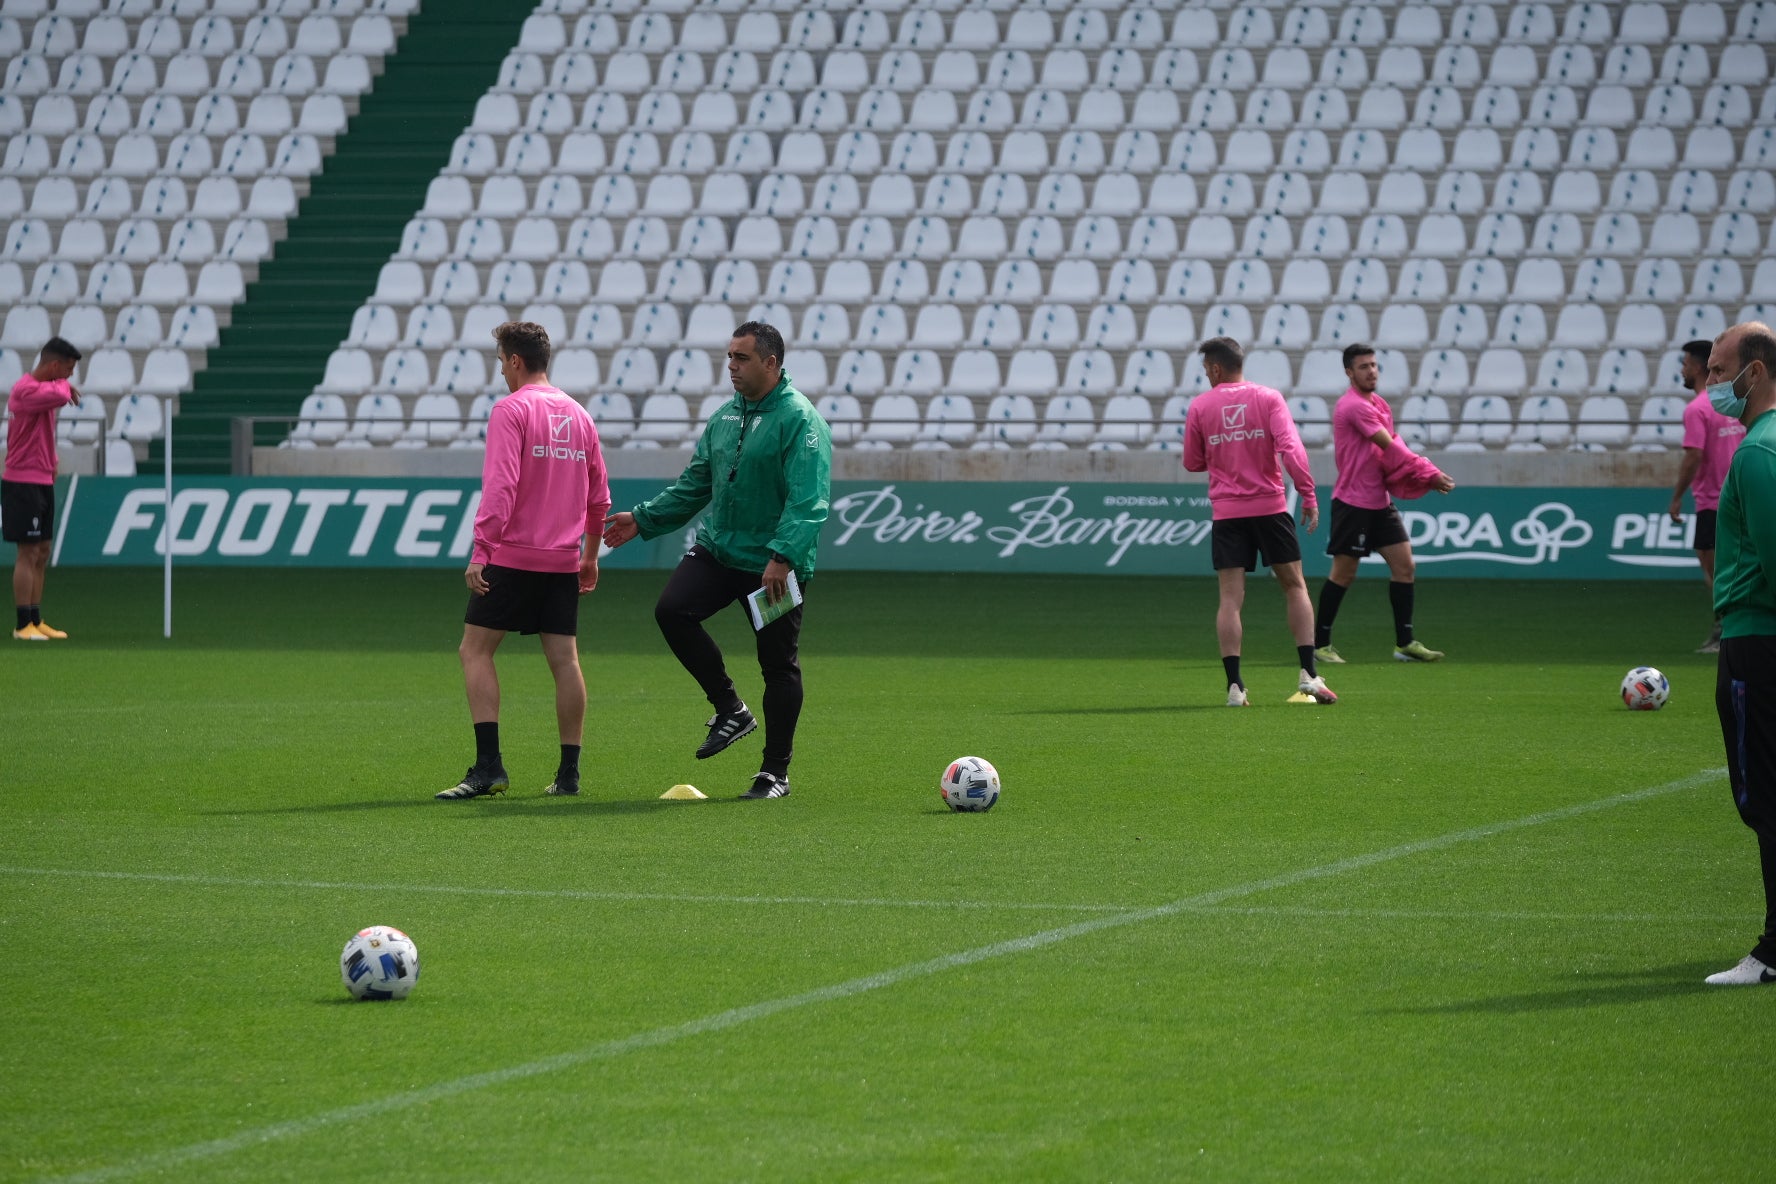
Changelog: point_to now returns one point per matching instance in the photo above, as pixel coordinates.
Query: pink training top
(543, 485)
(31, 437)
(1356, 418)
(1238, 431)
(1718, 437)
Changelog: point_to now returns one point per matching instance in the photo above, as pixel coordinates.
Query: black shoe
(768, 785)
(725, 727)
(565, 785)
(476, 783)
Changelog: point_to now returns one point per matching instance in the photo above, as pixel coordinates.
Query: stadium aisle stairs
(300, 306)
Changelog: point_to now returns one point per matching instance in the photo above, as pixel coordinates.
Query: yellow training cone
(684, 793)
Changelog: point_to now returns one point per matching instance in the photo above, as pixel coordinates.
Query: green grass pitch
(1435, 932)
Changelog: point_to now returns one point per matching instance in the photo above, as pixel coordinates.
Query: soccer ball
(380, 962)
(1645, 689)
(970, 785)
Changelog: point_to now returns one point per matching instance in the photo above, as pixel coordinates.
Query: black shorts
(1238, 542)
(519, 601)
(1358, 531)
(1704, 530)
(27, 512)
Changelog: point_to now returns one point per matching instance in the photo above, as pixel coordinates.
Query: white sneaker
(1315, 687)
(1749, 973)
(1236, 696)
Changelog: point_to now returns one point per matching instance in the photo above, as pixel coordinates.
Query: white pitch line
(560, 893)
(860, 901)
(735, 1017)
(1466, 915)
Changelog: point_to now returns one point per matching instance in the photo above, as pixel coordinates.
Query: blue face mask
(1726, 398)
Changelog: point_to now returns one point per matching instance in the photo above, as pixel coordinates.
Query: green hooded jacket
(765, 471)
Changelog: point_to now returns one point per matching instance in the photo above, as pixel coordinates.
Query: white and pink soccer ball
(1645, 689)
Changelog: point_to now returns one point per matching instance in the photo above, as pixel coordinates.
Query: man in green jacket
(1742, 385)
(763, 467)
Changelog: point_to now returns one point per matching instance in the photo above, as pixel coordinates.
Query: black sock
(1331, 596)
(1400, 596)
(570, 758)
(24, 615)
(1232, 666)
(36, 614)
(1306, 654)
(778, 769)
(487, 753)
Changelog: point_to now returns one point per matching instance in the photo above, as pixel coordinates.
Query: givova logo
(561, 441)
(317, 524)
(1233, 426)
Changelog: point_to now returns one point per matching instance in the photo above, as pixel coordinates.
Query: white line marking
(556, 893)
(55, 555)
(1737, 919)
(733, 1018)
(858, 901)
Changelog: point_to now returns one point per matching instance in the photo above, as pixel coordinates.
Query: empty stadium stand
(981, 225)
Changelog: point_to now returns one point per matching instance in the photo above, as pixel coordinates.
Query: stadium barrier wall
(1049, 527)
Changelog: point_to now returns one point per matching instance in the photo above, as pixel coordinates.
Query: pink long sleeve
(543, 483)
(31, 435)
(1408, 474)
(499, 480)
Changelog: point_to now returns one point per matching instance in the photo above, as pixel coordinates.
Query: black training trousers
(1745, 699)
(699, 588)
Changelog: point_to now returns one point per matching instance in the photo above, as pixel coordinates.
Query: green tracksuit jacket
(765, 471)
(1745, 536)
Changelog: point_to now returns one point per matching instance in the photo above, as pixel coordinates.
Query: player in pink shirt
(27, 484)
(1709, 441)
(1239, 432)
(1363, 515)
(544, 497)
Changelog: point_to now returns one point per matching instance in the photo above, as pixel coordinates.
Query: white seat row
(212, 35)
(187, 154)
(1030, 153)
(981, 29)
(1093, 372)
(109, 372)
(163, 115)
(1077, 281)
(163, 198)
(138, 327)
(139, 240)
(954, 196)
(239, 74)
(110, 283)
(30, 10)
(380, 419)
(1286, 325)
(934, 238)
(135, 418)
(1163, 108)
(669, 419)
(904, 72)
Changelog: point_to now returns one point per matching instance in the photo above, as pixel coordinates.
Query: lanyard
(745, 421)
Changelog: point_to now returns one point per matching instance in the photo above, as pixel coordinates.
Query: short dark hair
(1224, 352)
(1355, 350)
(58, 347)
(766, 337)
(1757, 344)
(1699, 350)
(527, 341)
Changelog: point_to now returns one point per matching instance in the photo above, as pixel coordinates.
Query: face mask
(1726, 398)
